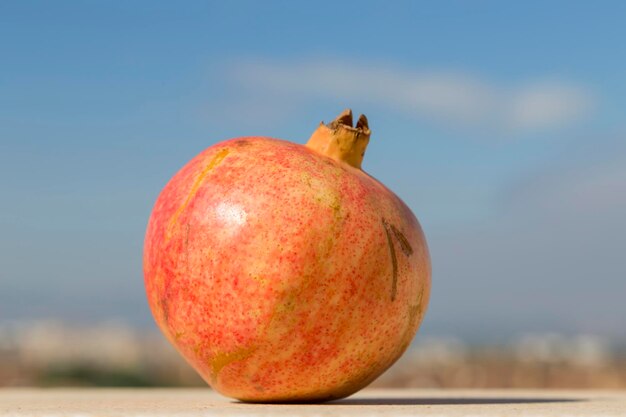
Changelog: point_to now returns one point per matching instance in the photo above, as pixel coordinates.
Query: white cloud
(446, 97)
(548, 104)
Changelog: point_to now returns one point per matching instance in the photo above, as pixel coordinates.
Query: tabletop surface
(203, 402)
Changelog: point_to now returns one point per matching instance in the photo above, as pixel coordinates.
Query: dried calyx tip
(345, 119)
(362, 123)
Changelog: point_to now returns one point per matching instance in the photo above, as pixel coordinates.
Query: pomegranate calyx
(341, 141)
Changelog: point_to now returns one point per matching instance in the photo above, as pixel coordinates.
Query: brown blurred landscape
(49, 353)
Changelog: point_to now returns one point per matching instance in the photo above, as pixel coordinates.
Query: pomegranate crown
(342, 141)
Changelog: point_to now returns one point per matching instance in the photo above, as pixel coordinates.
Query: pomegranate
(283, 272)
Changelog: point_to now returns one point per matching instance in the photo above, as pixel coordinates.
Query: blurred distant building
(50, 353)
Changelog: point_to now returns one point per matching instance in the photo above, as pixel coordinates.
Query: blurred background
(501, 124)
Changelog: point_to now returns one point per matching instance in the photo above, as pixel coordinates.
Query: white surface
(203, 402)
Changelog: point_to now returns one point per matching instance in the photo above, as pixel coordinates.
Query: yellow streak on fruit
(222, 359)
(217, 159)
(306, 178)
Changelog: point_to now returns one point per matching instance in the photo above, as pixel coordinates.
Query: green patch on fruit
(288, 305)
(414, 314)
(324, 195)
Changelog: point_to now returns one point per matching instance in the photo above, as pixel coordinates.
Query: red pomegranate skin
(281, 274)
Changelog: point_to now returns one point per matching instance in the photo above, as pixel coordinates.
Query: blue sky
(502, 126)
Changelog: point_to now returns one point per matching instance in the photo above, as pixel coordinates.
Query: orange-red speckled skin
(271, 269)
